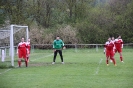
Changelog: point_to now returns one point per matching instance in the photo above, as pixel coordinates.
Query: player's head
(109, 39)
(57, 38)
(22, 39)
(28, 39)
(113, 38)
(119, 37)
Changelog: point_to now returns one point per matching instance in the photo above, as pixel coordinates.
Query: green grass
(82, 69)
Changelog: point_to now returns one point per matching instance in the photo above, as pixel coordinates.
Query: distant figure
(58, 44)
(109, 51)
(28, 49)
(22, 52)
(118, 47)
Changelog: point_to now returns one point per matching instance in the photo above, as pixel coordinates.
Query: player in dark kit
(57, 46)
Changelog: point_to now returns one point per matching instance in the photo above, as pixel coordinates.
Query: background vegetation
(76, 21)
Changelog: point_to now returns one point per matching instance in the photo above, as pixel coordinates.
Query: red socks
(28, 59)
(113, 61)
(121, 58)
(107, 61)
(19, 63)
(26, 63)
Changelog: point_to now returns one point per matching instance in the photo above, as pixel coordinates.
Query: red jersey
(28, 45)
(118, 43)
(22, 46)
(113, 41)
(109, 46)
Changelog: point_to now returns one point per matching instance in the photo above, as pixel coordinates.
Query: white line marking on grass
(6, 71)
(9, 70)
(97, 70)
(23, 63)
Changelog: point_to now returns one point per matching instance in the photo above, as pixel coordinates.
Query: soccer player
(28, 49)
(109, 51)
(57, 46)
(118, 47)
(113, 40)
(22, 52)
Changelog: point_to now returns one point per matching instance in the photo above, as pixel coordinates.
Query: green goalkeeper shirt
(58, 44)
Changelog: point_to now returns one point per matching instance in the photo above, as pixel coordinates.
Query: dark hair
(118, 35)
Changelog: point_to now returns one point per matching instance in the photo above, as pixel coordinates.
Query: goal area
(9, 38)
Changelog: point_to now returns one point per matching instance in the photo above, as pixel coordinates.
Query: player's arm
(63, 45)
(17, 48)
(104, 48)
(26, 46)
(54, 44)
(17, 51)
(114, 45)
(122, 44)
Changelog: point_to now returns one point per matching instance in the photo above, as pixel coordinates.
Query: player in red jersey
(28, 49)
(22, 52)
(118, 47)
(109, 51)
(113, 40)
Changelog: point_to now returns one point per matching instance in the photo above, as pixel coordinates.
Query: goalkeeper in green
(58, 44)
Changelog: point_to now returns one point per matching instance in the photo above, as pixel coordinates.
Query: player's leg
(55, 54)
(112, 58)
(114, 51)
(26, 62)
(25, 58)
(121, 57)
(28, 55)
(61, 56)
(19, 62)
(120, 53)
(107, 58)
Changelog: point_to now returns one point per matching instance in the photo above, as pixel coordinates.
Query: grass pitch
(82, 69)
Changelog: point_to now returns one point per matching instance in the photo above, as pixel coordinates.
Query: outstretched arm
(17, 49)
(104, 48)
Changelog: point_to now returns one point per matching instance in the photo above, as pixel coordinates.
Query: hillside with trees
(76, 21)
